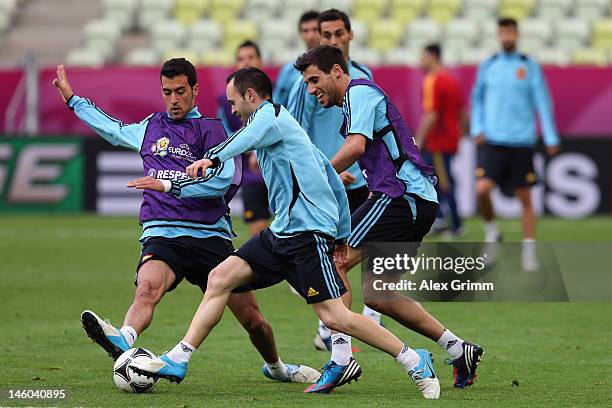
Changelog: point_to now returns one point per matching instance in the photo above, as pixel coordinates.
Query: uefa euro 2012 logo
(160, 148)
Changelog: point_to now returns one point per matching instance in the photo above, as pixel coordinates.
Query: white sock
(324, 332)
(529, 244)
(491, 231)
(452, 344)
(278, 369)
(342, 350)
(408, 358)
(130, 334)
(181, 353)
(371, 313)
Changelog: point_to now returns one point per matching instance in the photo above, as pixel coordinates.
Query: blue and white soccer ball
(128, 380)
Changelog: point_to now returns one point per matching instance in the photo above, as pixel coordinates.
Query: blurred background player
(308, 28)
(510, 87)
(323, 128)
(444, 121)
(254, 191)
(186, 229)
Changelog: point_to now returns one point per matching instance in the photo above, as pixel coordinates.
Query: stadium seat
(589, 56)
(369, 10)
(85, 57)
(262, 10)
(406, 11)
(460, 33)
(443, 11)
(102, 29)
(141, 57)
(204, 35)
(222, 57)
(168, 34)
(591, 10)
(366, 56)
(283, 55)
(571, 34)
(535, 30)
(552, 56)
(602, 34)
(238, 31)
(360, 32)
(403, 56)
(226, 11)
(385, 34)
(554, 9)
(186, 53)
(158, 5)
(422, 31)
(473, 56)
(518, 9)
(293, 9)
(189, 11)
(149, 18)
(480, 9)
(277, 33)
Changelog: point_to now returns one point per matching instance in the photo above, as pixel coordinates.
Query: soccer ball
(126, 379)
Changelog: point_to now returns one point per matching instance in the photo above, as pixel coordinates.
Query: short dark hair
(324, 57)
(308, 16)
(254, 78)
(179, 66)
(251, 44)
(433, 49)
(507, 22)
(334, 15)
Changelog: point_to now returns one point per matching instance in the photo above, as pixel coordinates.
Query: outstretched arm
(349, 152)
(111, 129)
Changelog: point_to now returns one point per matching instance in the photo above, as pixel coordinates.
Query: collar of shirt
(193, 114)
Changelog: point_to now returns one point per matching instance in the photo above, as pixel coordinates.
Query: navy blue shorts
(255, 200)
(305, 261)
(385, 219)
(189, 258)
(510, 167)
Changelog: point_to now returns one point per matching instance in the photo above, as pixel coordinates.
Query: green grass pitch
(53, 267)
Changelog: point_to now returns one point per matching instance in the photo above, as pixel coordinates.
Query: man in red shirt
(441, 127)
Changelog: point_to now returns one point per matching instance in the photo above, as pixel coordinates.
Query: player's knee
(217, 281)
(335, 321)
(483, 188)
(148, 292)
(374, 305)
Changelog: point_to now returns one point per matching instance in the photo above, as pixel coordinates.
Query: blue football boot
(334, 376)
(296, 373)
(160, 367)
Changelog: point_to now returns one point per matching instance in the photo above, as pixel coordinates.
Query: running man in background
(310, 228)
(254, 193)
(186, 226)
(510, 87)
(402, 206)
(444, 121)
(323, 127)
(308, 28)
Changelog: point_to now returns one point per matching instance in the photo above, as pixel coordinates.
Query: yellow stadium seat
(405, 11)
(199, 5)
(602, 34)
(225, 11)
(443, 11)
(369, 10)
(385, 34)
(187, 15)
(186, 53)
(518, 9)
(589, 56)
(221, 57)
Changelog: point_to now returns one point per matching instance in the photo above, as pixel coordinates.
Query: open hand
(62, 84)
(341, 254)
(147, 183)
